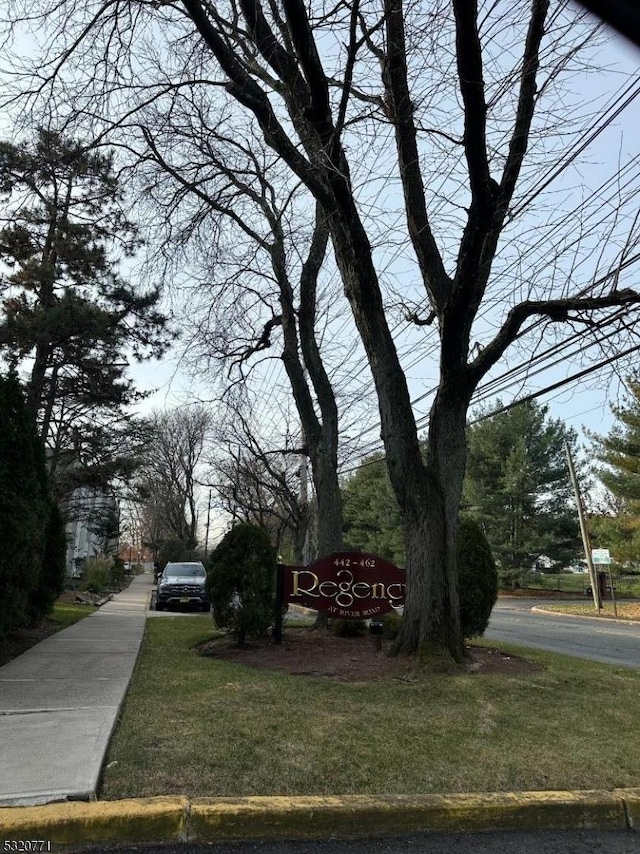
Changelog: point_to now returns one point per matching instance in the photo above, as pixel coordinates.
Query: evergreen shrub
(52, 574)
(349, 628)
(25, 509)
(477, 578)
(391, 623)
(241, 581)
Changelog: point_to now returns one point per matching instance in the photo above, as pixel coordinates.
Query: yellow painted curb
(315, 817)
(132, 820)
(216, 819)
(631, 799)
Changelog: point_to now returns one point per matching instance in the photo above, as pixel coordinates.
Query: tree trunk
(324, 462)
(431, 625)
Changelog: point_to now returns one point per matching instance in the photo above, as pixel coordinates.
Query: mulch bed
(18, 642)
(305, 652)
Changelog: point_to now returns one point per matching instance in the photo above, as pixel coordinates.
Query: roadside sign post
(277, 626)
(602, 557)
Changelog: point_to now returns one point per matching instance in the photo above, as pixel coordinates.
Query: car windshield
(185, 569)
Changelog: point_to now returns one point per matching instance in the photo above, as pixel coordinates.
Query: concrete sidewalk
(59, 702)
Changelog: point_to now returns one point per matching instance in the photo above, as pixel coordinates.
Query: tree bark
(430, 524)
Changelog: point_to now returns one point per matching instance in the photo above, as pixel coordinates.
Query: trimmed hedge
(241, 582)
(477, 578)
(33, 539)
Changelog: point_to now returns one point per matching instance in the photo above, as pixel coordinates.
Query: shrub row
(241, 581)
(33, 551)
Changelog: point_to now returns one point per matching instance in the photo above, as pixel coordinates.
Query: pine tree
(68, 317)
(619, 452)
(371, 512)
(517, 486)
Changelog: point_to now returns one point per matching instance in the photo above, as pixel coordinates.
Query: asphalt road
(611, 642)
(574, 842)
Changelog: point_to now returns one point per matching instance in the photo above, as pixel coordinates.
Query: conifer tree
(517, 486)
(33, 544)
(68, 317)
(619, 452)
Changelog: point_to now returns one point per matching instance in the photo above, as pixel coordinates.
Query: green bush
(241, 580)
(349, 628)
(391, 623)
(477, 578)
(98, 575)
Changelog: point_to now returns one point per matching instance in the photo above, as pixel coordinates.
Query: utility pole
(583, 530)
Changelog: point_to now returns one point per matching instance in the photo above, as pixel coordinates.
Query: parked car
(183, 583)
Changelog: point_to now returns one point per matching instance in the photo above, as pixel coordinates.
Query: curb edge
(316, 817)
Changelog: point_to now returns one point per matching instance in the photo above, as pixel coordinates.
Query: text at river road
(347, 585)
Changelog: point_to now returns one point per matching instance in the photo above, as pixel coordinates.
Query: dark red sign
(347, 585)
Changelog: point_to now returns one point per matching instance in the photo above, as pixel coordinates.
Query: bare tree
(261, 484)
(169, 477)
(263, 294)
(462, 88)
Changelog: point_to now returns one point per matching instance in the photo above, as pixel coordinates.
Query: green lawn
(202, 727)
(623, 610)
(66, 615)
(568, 582)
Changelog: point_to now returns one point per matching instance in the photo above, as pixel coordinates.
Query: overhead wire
(616, 106)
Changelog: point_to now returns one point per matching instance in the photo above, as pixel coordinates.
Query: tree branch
(526, 104)
(400, 112)
(247, 92)
(307, 323)
(192, 187)
(470, 75)
(556, 311)
(319, 107)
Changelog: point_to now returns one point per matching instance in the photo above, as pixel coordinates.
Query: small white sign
(600, 556)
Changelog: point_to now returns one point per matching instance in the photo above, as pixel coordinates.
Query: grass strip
(65, 615)
(569, 582)
(626, 610)
(199, 727)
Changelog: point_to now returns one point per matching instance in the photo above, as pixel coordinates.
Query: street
(543, 842)
(610, 642)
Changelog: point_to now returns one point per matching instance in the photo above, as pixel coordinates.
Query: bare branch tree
(326, 90)
(234, 185)
(169, 474)
(260, 484)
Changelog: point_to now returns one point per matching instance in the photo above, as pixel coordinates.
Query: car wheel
(159, 606)
(206, 607)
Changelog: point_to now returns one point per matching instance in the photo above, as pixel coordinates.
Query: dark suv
(183, 583)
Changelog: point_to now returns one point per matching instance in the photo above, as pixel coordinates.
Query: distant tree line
(517, 488)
